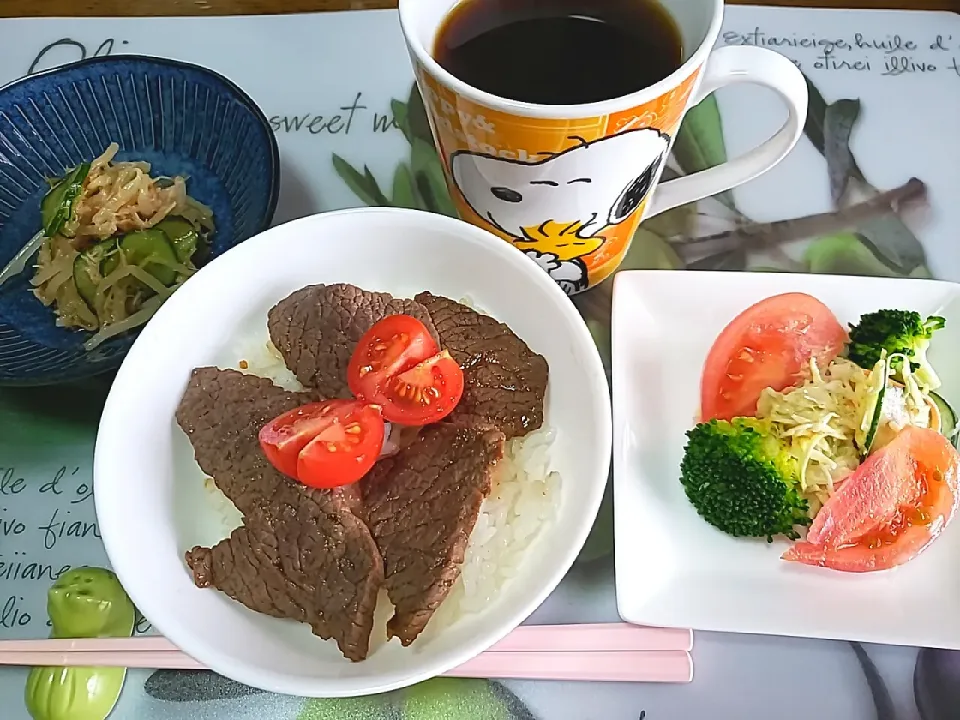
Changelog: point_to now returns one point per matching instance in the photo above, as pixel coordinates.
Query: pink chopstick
(614, 652)
(625, 666)
(595, 637)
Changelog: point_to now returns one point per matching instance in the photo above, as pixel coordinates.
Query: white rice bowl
(521, 505)
(151, 500)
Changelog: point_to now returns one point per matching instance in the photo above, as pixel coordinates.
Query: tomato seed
(352, 428)
(331, 447)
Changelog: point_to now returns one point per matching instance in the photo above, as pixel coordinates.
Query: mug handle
(728, 66)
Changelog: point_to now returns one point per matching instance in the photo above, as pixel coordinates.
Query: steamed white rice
(523, 502)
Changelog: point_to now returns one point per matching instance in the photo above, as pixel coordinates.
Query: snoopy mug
(568, 184)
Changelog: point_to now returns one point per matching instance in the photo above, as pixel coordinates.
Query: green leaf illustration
(816, 115)
(456, 699)
(735, 260)
(194, 686)
(404, 191)
(845, 254)
(886, 235)
(600, 332)
(840, 119)
(369, 707)
(36, 419)
(374, 187)
(399, 110)
(882, 701)
(699, 144)
(649, 251)
(600, 540)
(417, 117)
(891, 239)
(429, 178)
(678, 222)
(364, 186)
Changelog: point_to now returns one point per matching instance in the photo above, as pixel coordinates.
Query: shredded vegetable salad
(820, 423)
(807, 427)
(115, 243)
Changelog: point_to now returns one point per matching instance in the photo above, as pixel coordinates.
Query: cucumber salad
(809, 428)
(115, 243)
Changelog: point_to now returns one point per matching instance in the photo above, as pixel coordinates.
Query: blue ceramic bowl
(182, 119)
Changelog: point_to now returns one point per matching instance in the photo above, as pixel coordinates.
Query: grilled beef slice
(421, 506)
(505, 382)
(301, 553)
(316, 329)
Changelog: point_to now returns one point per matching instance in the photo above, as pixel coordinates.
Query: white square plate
(675, 570)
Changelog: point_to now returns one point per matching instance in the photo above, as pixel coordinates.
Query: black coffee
(559, 52)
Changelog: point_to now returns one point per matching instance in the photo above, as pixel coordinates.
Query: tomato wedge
(767, 345)
(426, 393)
(889, 510)
(325, 444)
(395, 344)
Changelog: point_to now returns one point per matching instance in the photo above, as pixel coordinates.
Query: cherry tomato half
(426, 393)
(325, 444)
(395, 344)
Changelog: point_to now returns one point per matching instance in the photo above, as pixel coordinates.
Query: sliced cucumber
(57, 206)
(871, 435)
(111, 263)
(948, 418)
(875, 422)
(90, 267)
(82, 277)
(145, 247)
(182, 235)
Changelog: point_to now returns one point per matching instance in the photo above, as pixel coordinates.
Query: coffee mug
(493, 148)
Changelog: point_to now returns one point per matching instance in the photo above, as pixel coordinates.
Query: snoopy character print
(557, 208)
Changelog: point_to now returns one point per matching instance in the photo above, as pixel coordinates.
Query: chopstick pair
(608, 652)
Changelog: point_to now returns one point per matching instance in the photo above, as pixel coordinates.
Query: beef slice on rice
(316, 330)
(505, 382)
(421, 506)
(301, 553)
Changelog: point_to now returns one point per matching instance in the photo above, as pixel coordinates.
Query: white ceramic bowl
(150, 500)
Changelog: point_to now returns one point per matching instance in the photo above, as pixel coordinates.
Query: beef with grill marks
(505, 382)
(421, 506)
(317, 328)
(301, 553)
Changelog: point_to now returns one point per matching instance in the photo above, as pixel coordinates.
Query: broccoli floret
(741, 480)
(898, 332)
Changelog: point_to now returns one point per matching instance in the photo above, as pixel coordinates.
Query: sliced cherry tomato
(769, 344)
(325, 444)
(395, 344)
(426, 393)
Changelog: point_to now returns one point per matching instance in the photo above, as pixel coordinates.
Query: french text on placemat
(890, 55)
(41, 518)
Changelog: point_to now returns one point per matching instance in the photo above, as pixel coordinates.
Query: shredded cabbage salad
(825, 421)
